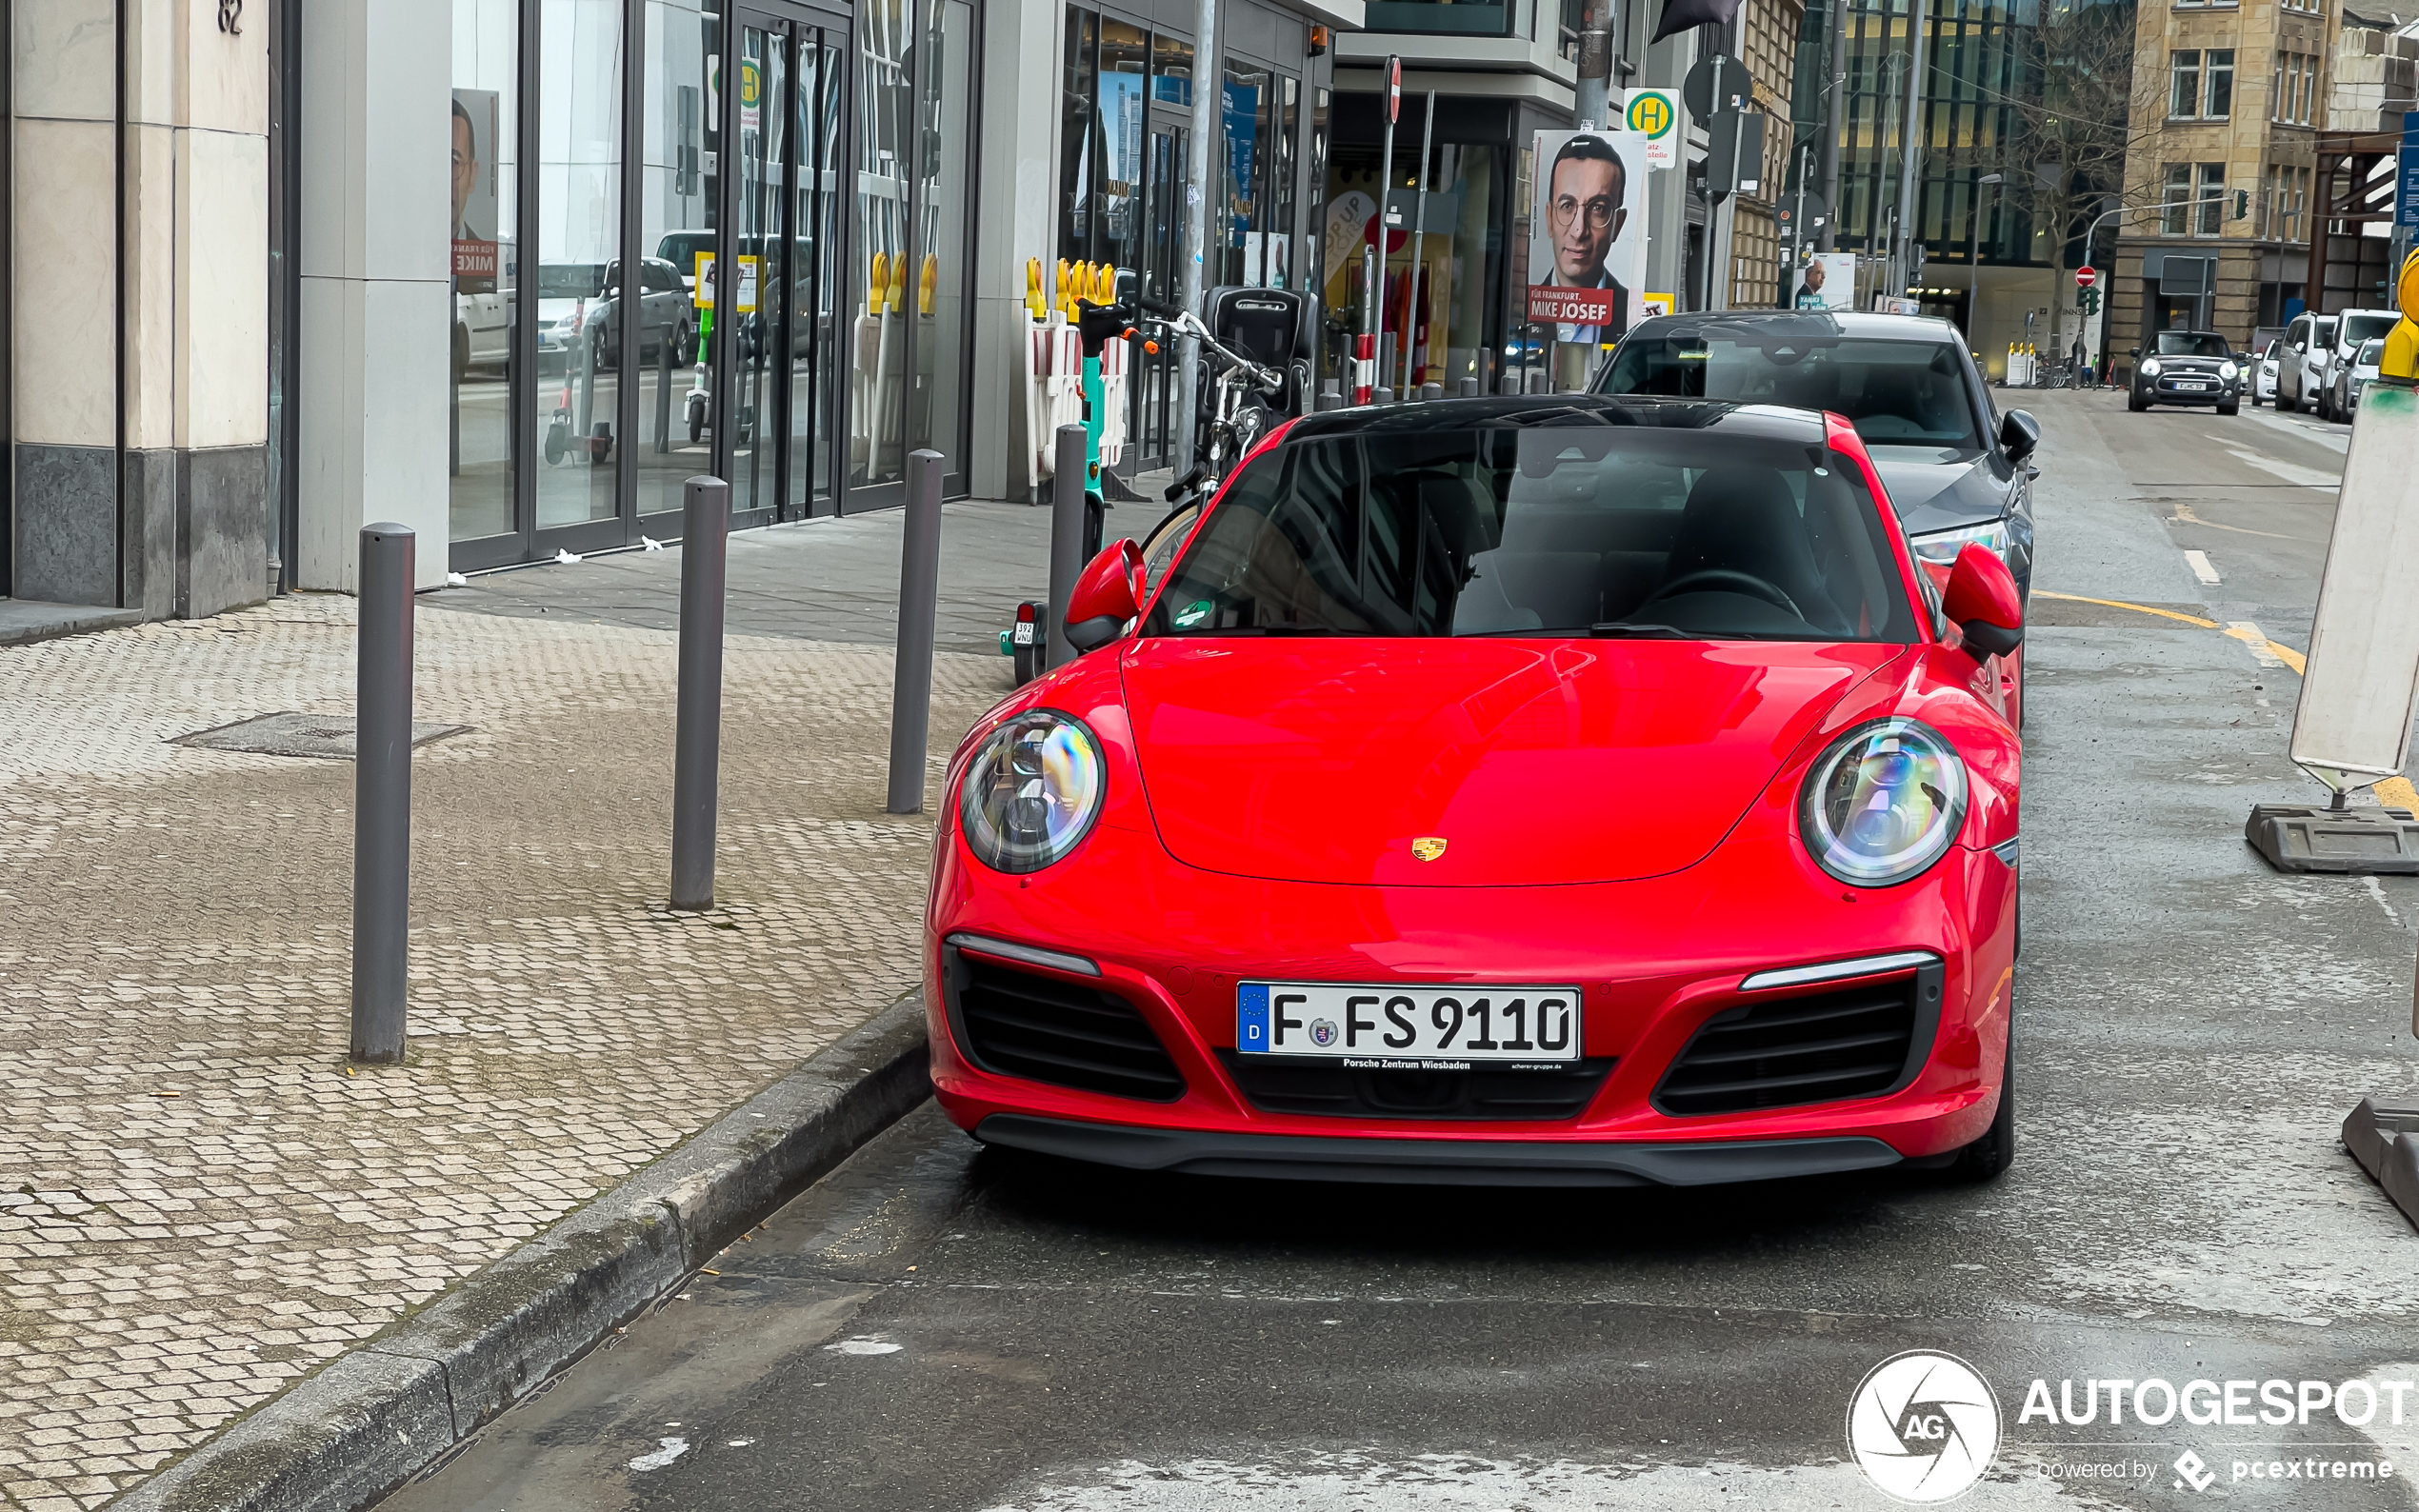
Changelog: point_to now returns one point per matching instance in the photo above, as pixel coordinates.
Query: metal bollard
(1509, 383)
(1383, 396)
(1470, 388)
(1065, 543)
(1431, 392)
(1331, 395)
(912, 674)
(697, 735)
(663, 393)
(1537, 382)
(382, 794)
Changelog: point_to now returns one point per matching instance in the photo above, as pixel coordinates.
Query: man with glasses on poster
(1585, 213)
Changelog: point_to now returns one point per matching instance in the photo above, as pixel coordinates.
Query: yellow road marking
(2269, 652)
(2120, 603)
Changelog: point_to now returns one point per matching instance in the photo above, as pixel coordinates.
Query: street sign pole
(1374, 285)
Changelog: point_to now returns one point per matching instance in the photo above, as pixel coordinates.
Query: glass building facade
(740, 247)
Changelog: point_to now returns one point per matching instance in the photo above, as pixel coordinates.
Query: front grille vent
(1482, 1092)
(1863, 1040)
(1024, 1024)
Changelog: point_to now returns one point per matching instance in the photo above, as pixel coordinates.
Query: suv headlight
(1031, 791)
(2228, 371)
(1883, 803)
(2150, 366)
(1943, 546)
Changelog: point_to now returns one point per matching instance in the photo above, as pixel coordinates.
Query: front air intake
(1023, 1023)
(1867, 1040)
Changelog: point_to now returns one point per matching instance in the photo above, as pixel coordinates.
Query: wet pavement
(939, 1328)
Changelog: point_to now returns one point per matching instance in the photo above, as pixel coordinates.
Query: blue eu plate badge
(1252, 1016)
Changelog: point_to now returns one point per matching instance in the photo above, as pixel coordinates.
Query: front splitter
(1431, 1161)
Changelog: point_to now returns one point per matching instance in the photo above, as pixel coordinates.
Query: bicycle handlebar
(1268, 380)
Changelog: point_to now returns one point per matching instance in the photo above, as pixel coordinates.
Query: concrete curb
(379, 1415)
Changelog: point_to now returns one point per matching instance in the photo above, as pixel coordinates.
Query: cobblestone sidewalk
(199, 1204)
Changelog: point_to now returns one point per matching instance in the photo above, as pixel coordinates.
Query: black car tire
(1987, 1158)
(2136, 403)
(2283, 403)
(2229, 406)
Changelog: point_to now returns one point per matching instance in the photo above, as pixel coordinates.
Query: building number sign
(230, 14)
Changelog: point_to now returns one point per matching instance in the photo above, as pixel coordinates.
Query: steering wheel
(1747, 582)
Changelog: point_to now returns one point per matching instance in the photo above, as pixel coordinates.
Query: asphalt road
(935, 1328)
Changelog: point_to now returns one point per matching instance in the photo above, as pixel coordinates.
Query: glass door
(776, 405)
(1156, 389)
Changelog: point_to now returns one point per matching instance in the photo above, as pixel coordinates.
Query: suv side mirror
(1108, 594)
(2019, 433)
(1981, 600)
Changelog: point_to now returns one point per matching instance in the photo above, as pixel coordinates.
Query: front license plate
(1418, 1027)
(2193, 387)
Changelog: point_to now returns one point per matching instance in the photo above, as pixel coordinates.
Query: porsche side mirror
(2019, 433)
(1981, 600)
(1108, 594)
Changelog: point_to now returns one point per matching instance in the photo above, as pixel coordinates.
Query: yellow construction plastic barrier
(2401, 358)
(1034, 304)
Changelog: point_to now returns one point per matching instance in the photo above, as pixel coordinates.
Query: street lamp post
(1974, 254)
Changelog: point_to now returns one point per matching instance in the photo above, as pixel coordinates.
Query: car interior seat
(1744, 519)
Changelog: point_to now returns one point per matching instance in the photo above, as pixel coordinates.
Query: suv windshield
(2358, 328)
(1542, 530)
(2192, 344)
(1903, 394)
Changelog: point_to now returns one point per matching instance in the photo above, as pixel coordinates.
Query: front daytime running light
(2228, 371)
(1032, 791)
(2150, 368)
(1883, 803)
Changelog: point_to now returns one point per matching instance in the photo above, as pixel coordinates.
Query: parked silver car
(2350, 377)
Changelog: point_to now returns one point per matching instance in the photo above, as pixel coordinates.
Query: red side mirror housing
(1108, 594)
(1981, 600)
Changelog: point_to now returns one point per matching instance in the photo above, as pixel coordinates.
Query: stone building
(2217, 192)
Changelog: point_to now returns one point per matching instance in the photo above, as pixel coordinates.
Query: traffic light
(2242, 203)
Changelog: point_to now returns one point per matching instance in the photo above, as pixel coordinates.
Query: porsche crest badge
(1428, 848)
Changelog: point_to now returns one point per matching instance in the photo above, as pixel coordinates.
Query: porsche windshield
(1901, 393)
(1542, 530)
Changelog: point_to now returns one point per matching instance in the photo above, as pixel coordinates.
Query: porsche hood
(1467, 762)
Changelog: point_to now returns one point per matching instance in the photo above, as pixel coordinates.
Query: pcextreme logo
(1923, 1426)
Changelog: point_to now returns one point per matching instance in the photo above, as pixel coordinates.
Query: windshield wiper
(1621, 629)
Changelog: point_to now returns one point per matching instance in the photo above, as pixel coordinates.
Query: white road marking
(1465, 1483)
(865, 1346)
(2199, 562)
(2306, 477)
(672, 1449)
(2250, 635)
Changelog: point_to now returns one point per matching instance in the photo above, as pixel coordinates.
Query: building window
(1439, 16)
(2209, 199)
(2184, 82)
(579, 247)
(486, 193)
(2220, 99)
(2172, 199)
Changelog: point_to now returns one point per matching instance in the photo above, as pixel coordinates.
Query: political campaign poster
(1827, 282)
(474, 152)
(1584, 234)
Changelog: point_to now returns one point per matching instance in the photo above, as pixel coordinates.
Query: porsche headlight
(1032, 792)
(2228, 371)
(2150, 368)
(1943, 546)
(1884, 803)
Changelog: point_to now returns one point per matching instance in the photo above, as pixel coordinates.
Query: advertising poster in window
(1827, 282)
(1583, 234)
(474, 138)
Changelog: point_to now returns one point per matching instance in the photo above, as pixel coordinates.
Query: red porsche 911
(1575, 792)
